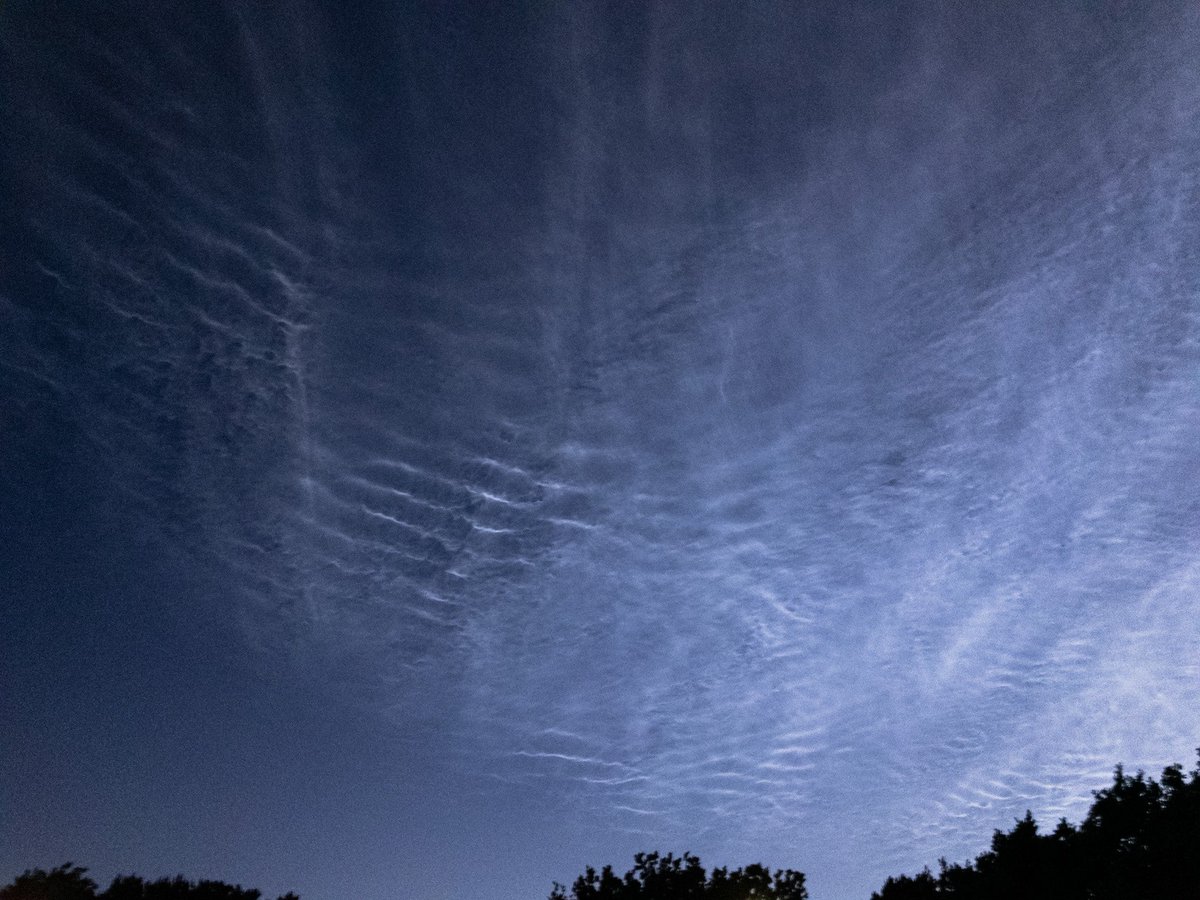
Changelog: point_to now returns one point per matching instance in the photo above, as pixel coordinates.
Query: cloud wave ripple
(784, 449)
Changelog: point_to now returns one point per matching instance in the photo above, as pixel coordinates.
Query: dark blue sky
(442, 447)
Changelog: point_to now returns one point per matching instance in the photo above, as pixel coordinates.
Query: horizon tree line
(1140, 840)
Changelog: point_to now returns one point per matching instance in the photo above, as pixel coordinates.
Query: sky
(443, 446)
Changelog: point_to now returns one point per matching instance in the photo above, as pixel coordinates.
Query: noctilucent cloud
(444, 446)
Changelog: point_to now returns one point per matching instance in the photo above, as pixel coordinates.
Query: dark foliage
(1139, 841)
(70, 882)
(67, 882)
(670, 877)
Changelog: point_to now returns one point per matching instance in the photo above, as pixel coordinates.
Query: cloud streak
(779, 435)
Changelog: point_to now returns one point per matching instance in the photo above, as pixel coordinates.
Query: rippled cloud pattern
(771, 429)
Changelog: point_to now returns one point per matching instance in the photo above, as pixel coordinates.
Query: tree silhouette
(67, 882)
(670, 877)
(1139, 841)
(70, 882)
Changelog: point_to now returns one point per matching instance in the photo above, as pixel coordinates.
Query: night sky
(446, 445)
